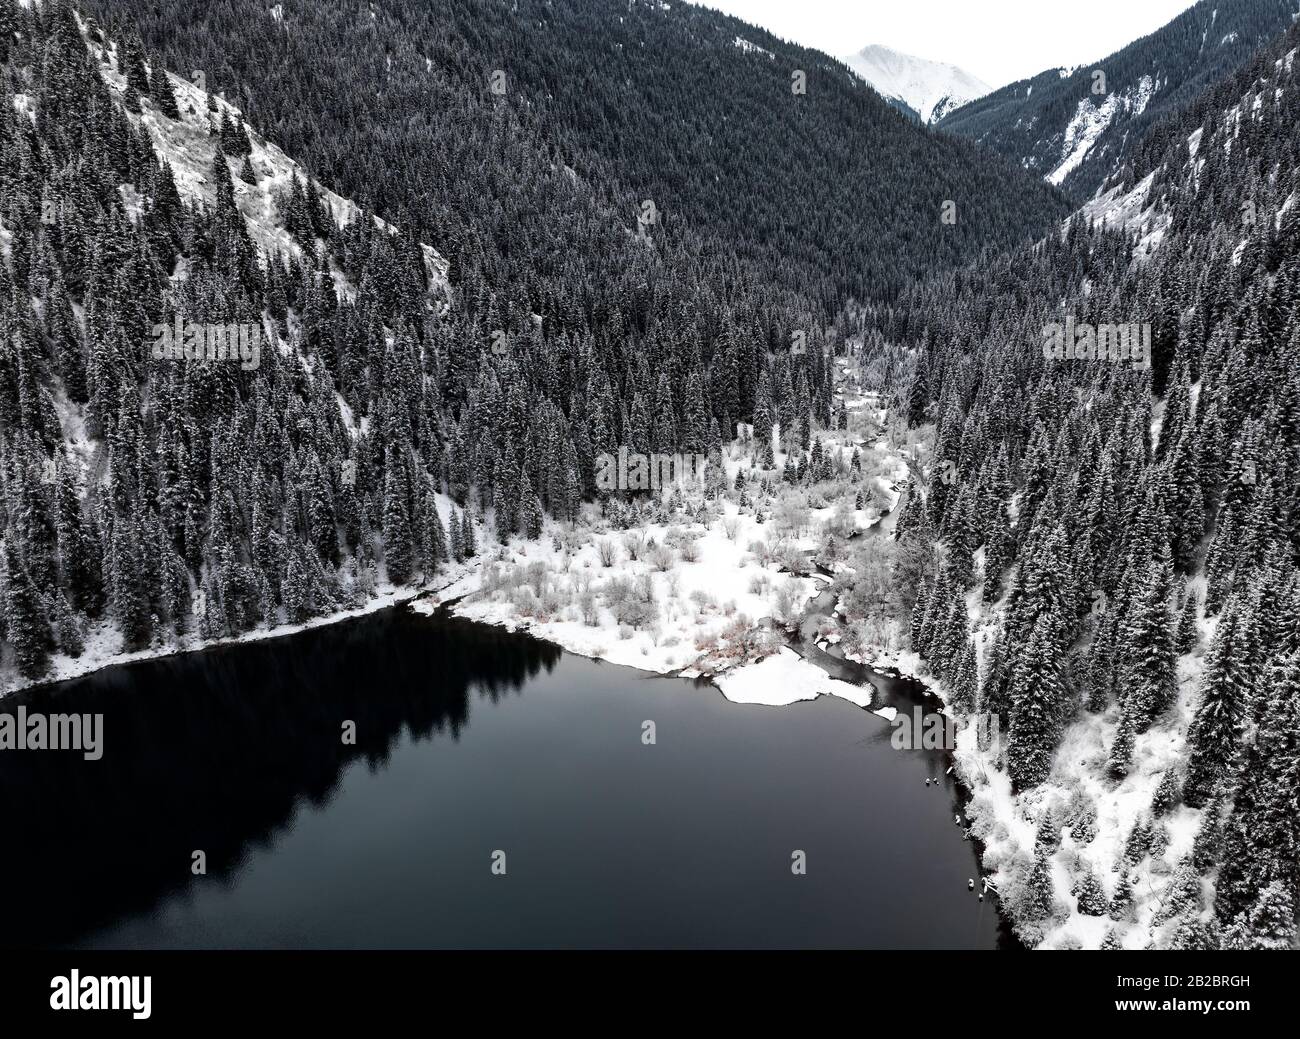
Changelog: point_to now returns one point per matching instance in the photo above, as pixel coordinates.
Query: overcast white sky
(999, 41)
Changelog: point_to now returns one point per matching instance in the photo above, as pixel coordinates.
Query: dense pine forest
(797, 199)
(167, 495)
(1120, 512)
(479, 245)
(570, 329)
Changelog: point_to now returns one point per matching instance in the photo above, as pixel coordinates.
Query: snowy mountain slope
(930, 89)
(1086, 820)
(1142, 205)
(1079, 127)
(189, 147)
(1091, 121)
(306, 79)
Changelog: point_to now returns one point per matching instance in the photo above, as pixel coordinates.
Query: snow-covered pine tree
(1150, 671)
(1262, 844)
(1038, 701)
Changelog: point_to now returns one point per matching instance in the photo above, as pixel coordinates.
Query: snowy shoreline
(64, 668)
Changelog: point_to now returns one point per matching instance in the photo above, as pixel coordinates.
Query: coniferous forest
(479, 247)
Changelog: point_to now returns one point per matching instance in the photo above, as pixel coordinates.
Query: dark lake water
(470, 740)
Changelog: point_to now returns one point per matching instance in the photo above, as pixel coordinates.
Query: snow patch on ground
(1090, 121)
(786, 678)
(1131, 211)
(753, 48)
(188, 145)
(24, 105)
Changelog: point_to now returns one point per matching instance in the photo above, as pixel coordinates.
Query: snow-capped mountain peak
(932, 89)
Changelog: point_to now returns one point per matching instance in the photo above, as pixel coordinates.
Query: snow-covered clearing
(753, 48)
(699, 583)
(694, 591)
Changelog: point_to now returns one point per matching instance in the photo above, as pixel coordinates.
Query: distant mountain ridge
(927, 89)
(728, 170)
(1060, 127)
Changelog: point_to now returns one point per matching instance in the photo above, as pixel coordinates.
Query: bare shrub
(661, 558)
(616, 590)
(788, 557)
(791, 515)
(638, 606)
(526, 603)
(703, 600)
(767, 552)
(538, 577)
(607, 552)
(787, 607)
(842, 521)
(552, 603)
(738, 642)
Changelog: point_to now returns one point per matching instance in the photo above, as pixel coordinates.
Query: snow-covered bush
(661, 558)
(842, 522)
(705, 602)
(791, 515)
(607, 552)
(791, 558)
(635, 603)
(588, 608)
(787, 605)
(552, 603)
